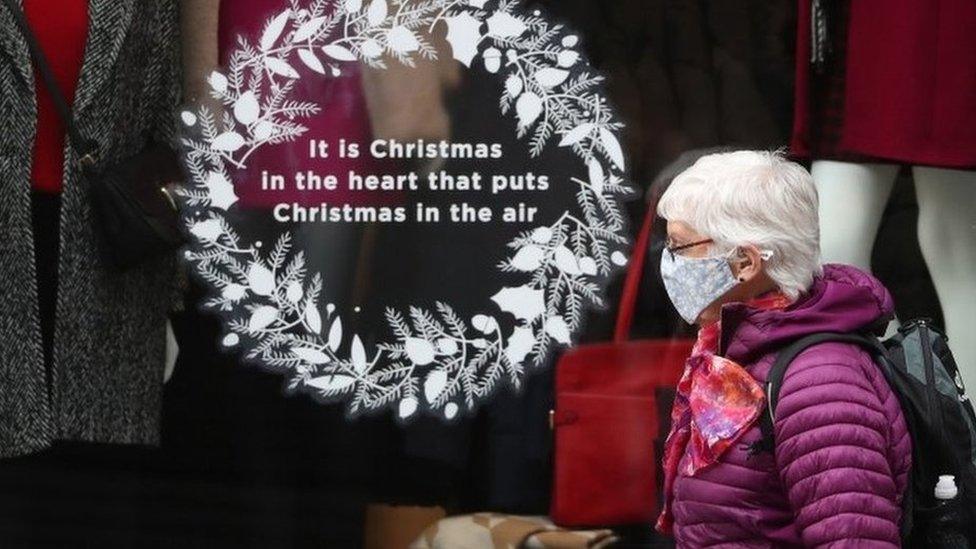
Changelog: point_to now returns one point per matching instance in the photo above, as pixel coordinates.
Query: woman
(81, 347)
(742, 262)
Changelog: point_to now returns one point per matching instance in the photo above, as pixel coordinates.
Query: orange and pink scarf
(717, 401)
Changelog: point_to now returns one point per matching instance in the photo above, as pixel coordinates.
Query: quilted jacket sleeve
(837, 449)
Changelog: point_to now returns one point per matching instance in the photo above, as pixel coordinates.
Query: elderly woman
(742, 262)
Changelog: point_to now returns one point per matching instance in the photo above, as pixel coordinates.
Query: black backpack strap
(84, 148)
(774, 380)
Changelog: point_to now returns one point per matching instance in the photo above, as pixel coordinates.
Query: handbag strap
(86, 149)
(635, 271)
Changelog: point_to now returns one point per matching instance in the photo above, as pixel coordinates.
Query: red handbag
(606, 419)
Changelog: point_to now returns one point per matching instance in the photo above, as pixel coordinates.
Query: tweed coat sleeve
(842, 448)
(165, 91)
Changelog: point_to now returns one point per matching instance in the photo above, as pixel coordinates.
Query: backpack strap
(774, 381)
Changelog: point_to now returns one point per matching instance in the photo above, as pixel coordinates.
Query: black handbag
(135, 213)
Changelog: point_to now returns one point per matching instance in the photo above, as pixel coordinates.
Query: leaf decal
(377, 12)
(332, 383)
(520, 344)
(260, 279)
(217, 81)
(577, 134)
(228, 142)
(357, 355)
(513, 85)
(294, 292)
(353, 6)
(262, 317)
(371, 49)
(311, 61)
(463, 35)
(408, 407)
(550, 78)
(188, 118)
(263, 130)
(313, 318)
(612, 146)
(335, 334)
(310, 355)
(280, 67)
(434, 384)
(447, 346)
(246, 109)
(505, 25)
(420, 351)
(557, 329)
(450, 410)
(566, 261)
(339, 53)
(208, 230)
(588, 266)
(568, 58)
(402, 40)
(220, 191)
(528, 258)
(542, 235)
(308, 29)
(234, 292)
(524, 302)
(528, 108)
(597, 175)
(273, 31)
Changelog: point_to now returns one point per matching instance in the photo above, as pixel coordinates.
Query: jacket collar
(14, 46)
(108, 25)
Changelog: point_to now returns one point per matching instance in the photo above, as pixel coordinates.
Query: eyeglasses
(672, 249)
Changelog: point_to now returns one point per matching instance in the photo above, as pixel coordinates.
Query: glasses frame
(674, 249)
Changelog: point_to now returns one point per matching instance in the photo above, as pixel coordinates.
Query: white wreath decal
(437, 360)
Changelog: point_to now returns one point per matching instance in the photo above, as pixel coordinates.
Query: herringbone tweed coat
(106, 377)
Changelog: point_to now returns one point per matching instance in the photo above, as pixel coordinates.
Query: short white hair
(753, 197)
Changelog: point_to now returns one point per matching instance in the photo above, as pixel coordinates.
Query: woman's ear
(747, 263)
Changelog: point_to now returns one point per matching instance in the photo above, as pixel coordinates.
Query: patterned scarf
(717, 401)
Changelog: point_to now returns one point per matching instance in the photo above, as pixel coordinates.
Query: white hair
(750, 197)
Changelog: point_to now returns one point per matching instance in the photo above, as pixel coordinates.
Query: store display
(858, 120)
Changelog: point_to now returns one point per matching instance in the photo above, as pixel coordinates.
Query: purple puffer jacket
(843, 451)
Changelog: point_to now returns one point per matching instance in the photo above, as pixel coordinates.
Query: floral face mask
(693, 283)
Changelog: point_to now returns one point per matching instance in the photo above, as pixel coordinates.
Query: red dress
(61, 28)
(901, 87)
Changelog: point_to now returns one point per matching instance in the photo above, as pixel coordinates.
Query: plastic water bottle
(945, 530)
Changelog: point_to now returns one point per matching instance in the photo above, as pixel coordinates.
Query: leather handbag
(136, 215)
(611, 414)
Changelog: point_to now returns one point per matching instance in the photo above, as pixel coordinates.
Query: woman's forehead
(680, 229)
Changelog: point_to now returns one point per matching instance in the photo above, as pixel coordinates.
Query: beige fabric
(498, 531)
(394, 527)
(198, 27)
(407, 103)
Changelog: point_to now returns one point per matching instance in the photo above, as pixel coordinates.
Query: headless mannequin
(852, 201)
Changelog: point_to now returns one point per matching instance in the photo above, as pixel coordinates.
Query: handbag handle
(635, 271)
(86, 149)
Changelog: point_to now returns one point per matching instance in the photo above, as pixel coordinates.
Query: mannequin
(853, 198)
(882, 84)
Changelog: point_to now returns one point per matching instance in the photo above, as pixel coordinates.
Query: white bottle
(945, 530)
(946, 488)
